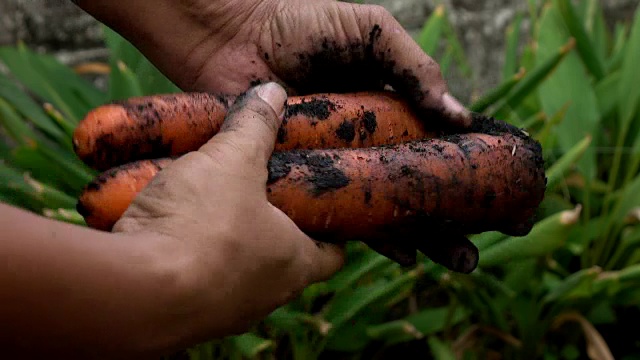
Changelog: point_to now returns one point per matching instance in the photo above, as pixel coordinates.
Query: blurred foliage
(568, 290)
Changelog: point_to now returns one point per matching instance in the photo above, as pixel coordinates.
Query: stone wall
(58, 26)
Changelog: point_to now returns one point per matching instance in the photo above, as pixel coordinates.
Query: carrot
(491, 179)
(171, 125)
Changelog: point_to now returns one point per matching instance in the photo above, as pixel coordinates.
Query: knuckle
(377, 12)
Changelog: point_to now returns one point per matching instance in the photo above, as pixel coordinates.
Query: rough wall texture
(58, 26)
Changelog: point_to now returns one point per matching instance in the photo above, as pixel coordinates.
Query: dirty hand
(225, 46)
(213, 203)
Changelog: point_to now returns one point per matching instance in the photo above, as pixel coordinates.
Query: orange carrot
(171, 125)
(491, 179)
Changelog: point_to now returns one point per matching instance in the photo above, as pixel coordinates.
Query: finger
(327, 259)
(250, 126)
(455, 252)
(319, 260)
(403, 255)
(360, 48)
(409, 70)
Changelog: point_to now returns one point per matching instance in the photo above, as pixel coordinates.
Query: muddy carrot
(170, 125)
(489, 180)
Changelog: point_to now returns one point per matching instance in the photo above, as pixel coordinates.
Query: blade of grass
(558, 170)
(487, 239)
(416, 326)
(368, 264)
(569, 286)
(49, 80)
(629, 199)
(545, 135)
(63, 122)
(28, 187)
(607, 94)
(51, 166)
(498, 93)
(511, 49)
(569, 84)
(584, 45)
(429, 37)
(29, 109)
(347, 306)
(67, 215)
(620, 45)
(123, 83)
(440, 350)
(598, 30)
(546, 236)
(629, 242)
(251, 345)
(15, 126)
(457, 48)
(534, 78)
(629, 101)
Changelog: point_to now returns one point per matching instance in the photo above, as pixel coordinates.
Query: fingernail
(465, 260)
(273, 94)
(457, 110)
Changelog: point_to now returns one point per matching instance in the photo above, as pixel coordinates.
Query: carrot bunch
(359, 166)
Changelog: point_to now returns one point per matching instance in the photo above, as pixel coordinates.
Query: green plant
(550, 294)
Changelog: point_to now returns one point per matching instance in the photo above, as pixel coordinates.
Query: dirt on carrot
(459, 184)
(171, 125)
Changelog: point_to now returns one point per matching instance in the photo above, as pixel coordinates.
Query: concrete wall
(58, 26)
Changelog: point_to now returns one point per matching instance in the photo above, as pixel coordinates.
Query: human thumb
(251, 125)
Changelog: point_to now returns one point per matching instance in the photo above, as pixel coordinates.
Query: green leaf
(546, 236)
(430, 35)
(607, 93)
(345, 306)
(132, 73)
(418, 325)
(34, 193)
(598, 31)
(577, 284)
(368, 264)
(287, 319)
(620, 45)
(568, 85)
(510, 67)
(560, 167)
(123, 83)
(629, 199)
(17, 128)
(497, 94)
(251, 345)
(440, 350)
(486, 239)
(629, 91)
(584, 45)
(530, 83)
(28, 108)
(69, 215)
(53, 167)
(51, 81)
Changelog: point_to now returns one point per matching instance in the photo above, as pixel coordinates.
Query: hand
(200, 254)
(225, 46)
(246, 256)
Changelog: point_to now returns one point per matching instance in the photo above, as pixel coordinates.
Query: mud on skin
(363, 65)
